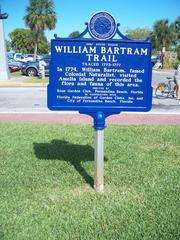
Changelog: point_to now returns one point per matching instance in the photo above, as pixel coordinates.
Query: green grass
(37, 80)
(46, 183)
(30, 79)
(16, 74)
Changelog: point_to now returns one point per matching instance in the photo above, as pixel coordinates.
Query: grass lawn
(37, 80)
(16, 74)
(46, 183)
(30, 79)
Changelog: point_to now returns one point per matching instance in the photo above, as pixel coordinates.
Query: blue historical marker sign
(100, 77)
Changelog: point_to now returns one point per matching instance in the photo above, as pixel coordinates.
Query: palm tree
(40, 16)
(162, 32)
(176, 28)
(177, 25)
(162, 36)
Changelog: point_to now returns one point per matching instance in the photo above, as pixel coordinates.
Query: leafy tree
(162, 34)
(178, 51)
(8, 45)
(177, 30)
(22, 40)
(74, 34)
(40, 16)
(44, 45)
(138, 33)
(177, 26)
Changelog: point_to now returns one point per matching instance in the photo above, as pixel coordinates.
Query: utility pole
(4, 71)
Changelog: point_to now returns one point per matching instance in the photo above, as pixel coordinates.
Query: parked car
(31, 69)
(40, 56)
(157, 65)
(29, 57)
(13, 68)
(15, 63)
(10, 55)
(19, 57)
(156, 62)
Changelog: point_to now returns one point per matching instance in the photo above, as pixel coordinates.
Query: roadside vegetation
(32, 80)
(23, 41)
(46, 179)
(165, 36)
(40, 16)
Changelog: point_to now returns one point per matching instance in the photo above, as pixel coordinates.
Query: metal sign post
(99, 161)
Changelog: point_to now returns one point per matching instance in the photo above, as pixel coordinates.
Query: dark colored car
(31, 69)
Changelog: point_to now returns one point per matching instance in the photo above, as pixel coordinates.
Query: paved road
(34, 99)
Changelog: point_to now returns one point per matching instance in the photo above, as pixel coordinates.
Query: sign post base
(99, 118)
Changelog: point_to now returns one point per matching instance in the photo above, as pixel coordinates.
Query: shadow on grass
(66, 151)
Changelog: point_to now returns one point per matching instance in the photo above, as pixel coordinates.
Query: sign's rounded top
(102, 26)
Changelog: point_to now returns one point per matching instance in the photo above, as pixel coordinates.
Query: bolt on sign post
(100, 76)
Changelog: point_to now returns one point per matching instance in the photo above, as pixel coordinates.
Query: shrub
(170, 63)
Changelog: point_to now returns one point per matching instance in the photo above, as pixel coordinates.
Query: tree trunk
(35, 51)
(162, 56)
(36, 45)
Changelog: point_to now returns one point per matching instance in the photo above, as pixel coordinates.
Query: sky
(72, 15)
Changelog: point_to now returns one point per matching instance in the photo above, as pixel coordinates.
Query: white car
(157, 65)
(20, 57)
(25, 57)
(29, 57)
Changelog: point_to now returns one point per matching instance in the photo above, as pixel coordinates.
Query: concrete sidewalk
(75, 118)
